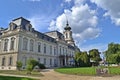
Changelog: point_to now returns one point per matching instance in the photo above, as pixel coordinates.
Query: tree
(113, 53)
(19, 65)
(82, 59)
(94, 55)
(31, 63)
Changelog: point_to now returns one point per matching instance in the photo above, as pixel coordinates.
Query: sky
(94, 23)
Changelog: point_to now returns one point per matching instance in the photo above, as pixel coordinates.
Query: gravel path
(50, 74)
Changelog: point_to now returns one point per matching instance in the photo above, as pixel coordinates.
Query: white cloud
(112, 8)
(40, 23)
(100, 46)
(82, 20)
(68, 1)
(32, 0)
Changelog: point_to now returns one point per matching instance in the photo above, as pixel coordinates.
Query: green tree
(82, 59)
(31, 63)
(94, 55)
(19, 65)
(113, 53)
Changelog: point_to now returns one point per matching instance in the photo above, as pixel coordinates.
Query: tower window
(66, 35)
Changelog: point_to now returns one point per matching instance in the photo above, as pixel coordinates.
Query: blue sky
(95, 23)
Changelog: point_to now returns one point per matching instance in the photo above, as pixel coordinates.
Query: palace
(20, 42)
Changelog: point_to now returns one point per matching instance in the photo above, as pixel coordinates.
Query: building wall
(59, 55)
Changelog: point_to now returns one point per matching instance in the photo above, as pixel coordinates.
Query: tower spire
(67, 25)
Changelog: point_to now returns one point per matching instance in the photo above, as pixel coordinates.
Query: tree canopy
(82, 59)
(113, 53)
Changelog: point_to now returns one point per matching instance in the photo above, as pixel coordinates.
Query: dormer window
(28, 27)
(12, 26)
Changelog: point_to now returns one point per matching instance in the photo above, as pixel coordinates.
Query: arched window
(44, 48)
(50, 49)
(25, 43)
(12, 43)
(6, 45)
(10, 61)
(66, 35)
(12, 26)
(3, 61)
(24, 60)
(54, 50)
(31, 45)
(28, 27)
(39, 47)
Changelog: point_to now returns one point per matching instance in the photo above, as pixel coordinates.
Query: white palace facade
(20, 42)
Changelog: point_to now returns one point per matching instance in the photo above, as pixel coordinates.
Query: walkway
(50, 74)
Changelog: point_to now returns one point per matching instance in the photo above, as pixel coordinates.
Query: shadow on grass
(14, 78)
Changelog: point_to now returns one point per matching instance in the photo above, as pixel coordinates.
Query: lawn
(78, 71)
(14, 78)
(114, 70)
(88, 70)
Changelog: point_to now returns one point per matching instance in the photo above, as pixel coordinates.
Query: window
(55, 62)
(63, 50)
(66, 35)
(54, 51)
(50, 61)
(6, 45)
(10, 61)
(44, 48)
(24, 61)
(66, 51)
(60, 49)
(25, 43)
(12, 43)
(44, 61)
(39, 60)
(3, 61)
(50, 49)
(31, 45)
(39, 47)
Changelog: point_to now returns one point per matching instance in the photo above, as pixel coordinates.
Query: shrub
(19, 65)
(41, 66)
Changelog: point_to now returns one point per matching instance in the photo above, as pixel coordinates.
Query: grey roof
(44, 37)
(21, 18)
(55, 34)
(21, 21)
(71, 47)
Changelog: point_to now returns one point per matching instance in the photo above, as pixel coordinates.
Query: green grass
(88, 70)
(114, 70)
(14, 78)
(78, 71)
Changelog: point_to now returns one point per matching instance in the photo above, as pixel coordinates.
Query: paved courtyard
(50, 74)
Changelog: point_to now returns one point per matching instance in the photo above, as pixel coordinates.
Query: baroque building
(20, 42)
